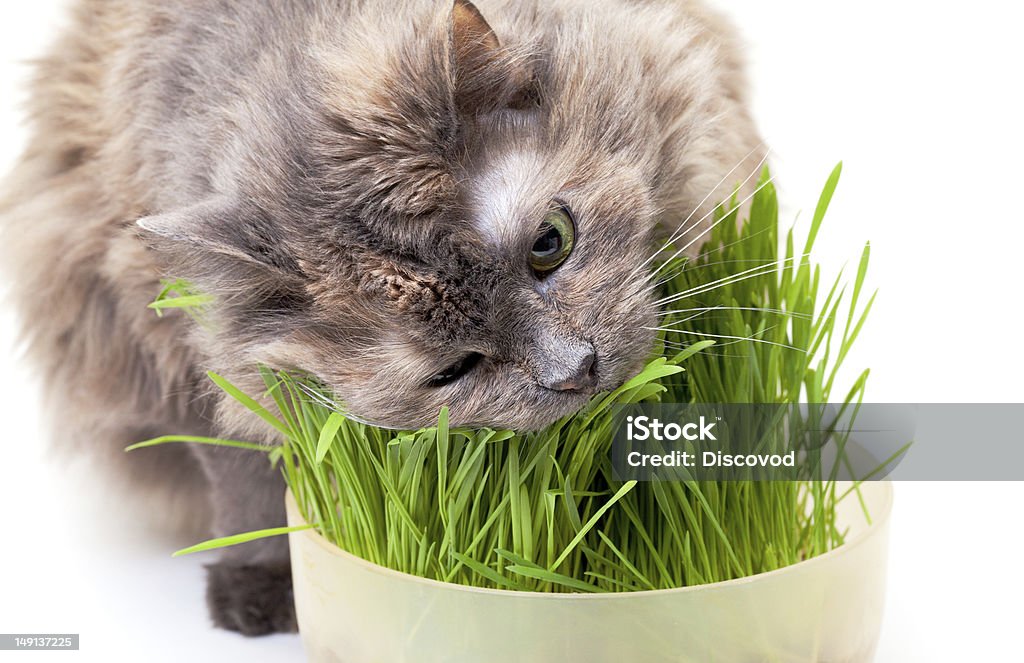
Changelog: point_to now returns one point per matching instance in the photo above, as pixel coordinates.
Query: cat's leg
(249, 589)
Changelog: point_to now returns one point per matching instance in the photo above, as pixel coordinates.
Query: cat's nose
(578, 374)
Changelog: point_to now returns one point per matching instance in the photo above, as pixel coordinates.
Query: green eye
(556, 237)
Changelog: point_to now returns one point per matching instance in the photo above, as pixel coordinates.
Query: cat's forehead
(508, 192)
(508, 187)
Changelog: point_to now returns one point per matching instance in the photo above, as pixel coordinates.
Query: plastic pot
(826, 609)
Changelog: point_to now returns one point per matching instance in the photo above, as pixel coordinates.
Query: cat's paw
(253, 599)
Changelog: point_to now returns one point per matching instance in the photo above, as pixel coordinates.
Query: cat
(421, 202)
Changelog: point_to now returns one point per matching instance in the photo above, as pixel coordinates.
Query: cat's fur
(358, 184)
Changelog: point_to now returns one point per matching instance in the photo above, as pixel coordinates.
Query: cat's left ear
(472, 38)
(486, 75)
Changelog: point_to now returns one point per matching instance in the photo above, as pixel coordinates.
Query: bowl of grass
(827, 608)
(455, 544)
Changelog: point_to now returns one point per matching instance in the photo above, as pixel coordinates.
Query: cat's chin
(537, 407)
(556, 406)
(544, 408)
(524, 406)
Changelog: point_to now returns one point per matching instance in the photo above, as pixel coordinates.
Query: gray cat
(417, 204)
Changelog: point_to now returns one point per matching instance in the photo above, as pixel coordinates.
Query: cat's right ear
(203, 225)
(217, 226)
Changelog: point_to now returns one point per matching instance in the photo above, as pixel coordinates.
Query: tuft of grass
(541, 511)
(180, 294)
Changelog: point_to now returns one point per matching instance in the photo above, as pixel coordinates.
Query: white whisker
(706, 351)
(753, 272)
(687, 318)
(709, 228)
(668, 276)
(760, 270)
(738, 338)
(707, 197)
(320, 398)
(792, 314)
(680, 232)
(715, 285)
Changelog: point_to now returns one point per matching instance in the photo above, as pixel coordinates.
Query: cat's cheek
(625, 343)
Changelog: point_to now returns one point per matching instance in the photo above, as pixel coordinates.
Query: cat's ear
(472, 38)
(485, 75)
(218, 226)
(203, 225)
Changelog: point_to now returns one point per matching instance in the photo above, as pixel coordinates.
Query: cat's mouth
(542, 406)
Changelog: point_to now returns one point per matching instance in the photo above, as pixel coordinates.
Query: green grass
(541, 511)
(179, 294)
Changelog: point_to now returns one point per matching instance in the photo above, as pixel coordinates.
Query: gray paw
(253, 599)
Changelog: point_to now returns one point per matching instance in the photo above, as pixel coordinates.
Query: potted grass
(449, 544)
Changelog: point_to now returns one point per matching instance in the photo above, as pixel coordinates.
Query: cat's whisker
(753, 272)
(672, 238)
(715, 285)
(771, 265)
(681, 232)
(791, 314)
(722, 247)
(767, 151)
(318, 397)
(738, 338)
(709, 228)
(672, 327)
(668, 276)
(686, 319)
(661, 282)
(675, 345)
(335, 406)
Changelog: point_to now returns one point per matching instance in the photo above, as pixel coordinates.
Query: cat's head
(441, 213)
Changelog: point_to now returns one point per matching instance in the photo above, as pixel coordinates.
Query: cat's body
(356, 183)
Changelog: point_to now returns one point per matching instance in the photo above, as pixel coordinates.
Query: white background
(922, 102)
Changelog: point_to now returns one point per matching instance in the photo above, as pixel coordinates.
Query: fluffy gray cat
(420, 202)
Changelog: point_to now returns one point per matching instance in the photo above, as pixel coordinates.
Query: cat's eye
(455, 371)
(555, 240)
